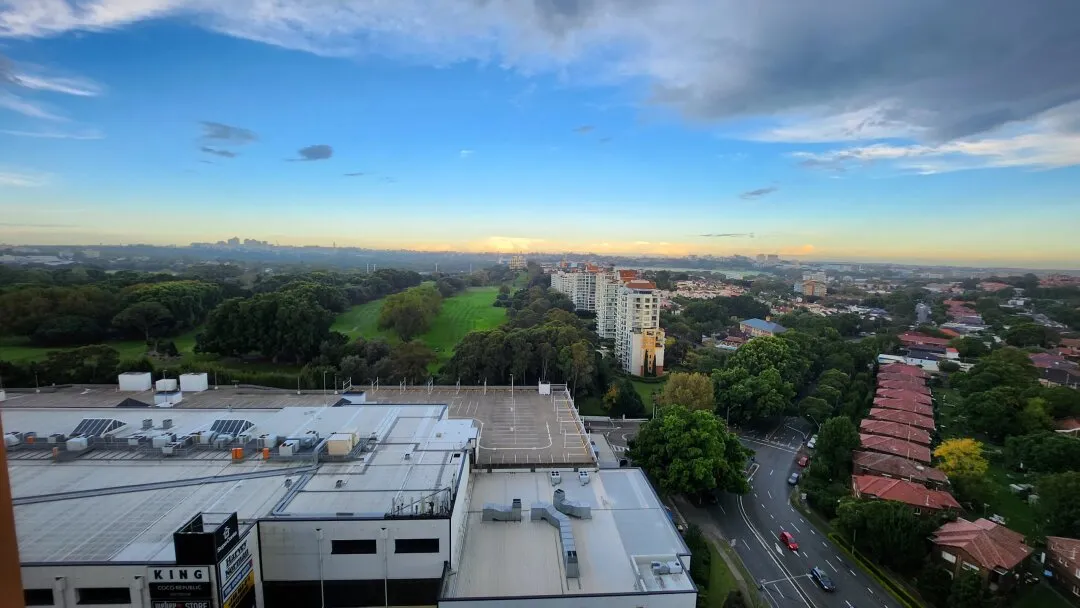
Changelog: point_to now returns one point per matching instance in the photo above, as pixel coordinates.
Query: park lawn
(1042, 596)
(646, 390)
(362, 321)
(17, 350)
(470, 310)
(721, 581)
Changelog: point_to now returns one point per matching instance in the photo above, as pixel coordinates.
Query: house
(993, 286)
(756, 328)
(1069, 426)
(896, 447)
(894, 377)
(910, 338)
(732, 342)
(903, 369)
(887, 465)
(990, 549)
(1063, 560)
(923, 422)
(904, 405)
(915, 387)
(1060, 377)
(919, 497)
(904, 395)
(1051, 361)
(895, 429)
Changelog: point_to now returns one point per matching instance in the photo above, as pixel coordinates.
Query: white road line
(851, 571)
(825, 544)
(746, 543)
(778, 549)
(771, 471)
(763, 506)
(870, 590)
(787, 573)
(722, 509)
(831, 566)
(848, 604)
(811, 530)
(771, 516)
(796, 528)
(770, 493)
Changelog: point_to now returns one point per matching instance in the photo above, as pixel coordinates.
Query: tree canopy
(410, 312)
(1059, 502)
(961, 458)
(694, 391)
(890, 532)
(621, 399)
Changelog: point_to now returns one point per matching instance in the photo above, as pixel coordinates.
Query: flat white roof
(629, 528)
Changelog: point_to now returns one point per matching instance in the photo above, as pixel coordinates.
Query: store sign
(188, 604)
(236, 574)
(180, 587)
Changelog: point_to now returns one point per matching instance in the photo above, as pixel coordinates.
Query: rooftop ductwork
(548, 513)
(494, 512)
(574, 509)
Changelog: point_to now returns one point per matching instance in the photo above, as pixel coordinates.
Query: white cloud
(26, 107)
(83, 135)
(21, 179)
(69, 86)
(465, 153)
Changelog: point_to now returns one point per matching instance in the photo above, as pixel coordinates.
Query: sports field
(16, 350)
(470, 310)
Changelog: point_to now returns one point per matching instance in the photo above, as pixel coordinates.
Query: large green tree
(410, 312)
(837, 437)
(411, 361)
(1059, 502)
(690, 451)
(888, 531)
(693, 390)
(621, 399)
(146, 318)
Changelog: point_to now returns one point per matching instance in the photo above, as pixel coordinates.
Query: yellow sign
(245, 587)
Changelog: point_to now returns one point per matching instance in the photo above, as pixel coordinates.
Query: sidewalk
(701, 518)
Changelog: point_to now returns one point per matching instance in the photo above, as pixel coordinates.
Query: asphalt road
(754, 521)
(618, 432)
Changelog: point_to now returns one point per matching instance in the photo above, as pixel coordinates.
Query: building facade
(1063, 559)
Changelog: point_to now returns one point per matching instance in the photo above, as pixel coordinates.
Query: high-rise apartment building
(627, 310)
(517, 262)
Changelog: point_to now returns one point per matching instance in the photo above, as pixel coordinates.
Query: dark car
(794, 479)
(822, 579)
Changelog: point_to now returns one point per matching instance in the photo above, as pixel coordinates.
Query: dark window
(103, 595)
(416, 545)
(352, 547)
(38, 597)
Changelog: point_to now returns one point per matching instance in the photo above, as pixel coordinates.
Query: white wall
(459, 518)
(290, 550)
(657, 600)
(75, 577)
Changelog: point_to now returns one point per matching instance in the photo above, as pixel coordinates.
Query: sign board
(227, 535)
(236, 576)
(186, 604)
(180, 587)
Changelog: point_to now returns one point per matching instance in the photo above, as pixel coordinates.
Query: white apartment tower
(627, 310)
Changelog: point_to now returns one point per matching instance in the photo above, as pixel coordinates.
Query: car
(794, 479)
(788, 540)
(805, 460)
(822, 579)
(813, 442)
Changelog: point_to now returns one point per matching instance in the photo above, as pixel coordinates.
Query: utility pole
(10, 566)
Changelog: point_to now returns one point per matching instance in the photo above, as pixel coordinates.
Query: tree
(694, 391)
(1043, 452)
(968, 591)
(1059, 502)
(411, 360)
(836, 439)
(147, 318)
(934, 584)
(410, 312)
(690, 451)
(968, 347)
(961, 457)
(888, 531)
(1028, 334)
(948, 367)
(622, 399)
(66, 330)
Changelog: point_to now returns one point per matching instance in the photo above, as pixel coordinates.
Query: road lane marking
(778, 549)
(831, 566)
(746, 543)
(824, 544)
(722, 509)
(763, 507)
(779, 564)
(796, 528)
(870, 590)
(771, 472)
(851, 571)
(771, 516)
(770, 494)
(848, 604)
(811, 530)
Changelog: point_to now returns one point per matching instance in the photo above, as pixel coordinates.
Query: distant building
(772, 259)
(982, 546)
(922, 313)
(517, 262)
(1063, 559)
(924, 501)
(233, 242)
(757, 328)
(818, 276)
(579, 286)
(993, 286)
(811, 288)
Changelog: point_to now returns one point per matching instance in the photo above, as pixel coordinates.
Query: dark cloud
(356, 174)
(218, 152)
(729, 235)
(316, 152)
(760, 192)
(583, 129)
(228, 133)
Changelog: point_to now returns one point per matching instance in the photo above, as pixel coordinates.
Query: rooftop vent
(340, 483)
(548, 513)
(583, 477)
(147, 424)
(166, 423)
(556, 478)
(494, 512)
(575, 509)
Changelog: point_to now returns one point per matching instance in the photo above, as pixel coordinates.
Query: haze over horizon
(925, 133)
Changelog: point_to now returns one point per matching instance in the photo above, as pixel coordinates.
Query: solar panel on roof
(232, 427)
(96, 427)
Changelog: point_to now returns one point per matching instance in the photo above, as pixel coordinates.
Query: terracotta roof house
(894, 429)
(894, 377)
(1069, 426)
(910, 338)
(905, 405)
(887, 465)
(1063, 559)
(896, 447)
(991, 549)
(892, 393)
(922, 389)
(1052, 361)
(923, 500)
(923, 422)
(905, 369)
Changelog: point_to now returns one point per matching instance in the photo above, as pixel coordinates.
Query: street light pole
(322, 586)
(386, 568)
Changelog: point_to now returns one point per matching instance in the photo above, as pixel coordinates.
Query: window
(971, 566)
(352, 547)
(949, 557)
(90, 596)
(416, 545)
(38, 597)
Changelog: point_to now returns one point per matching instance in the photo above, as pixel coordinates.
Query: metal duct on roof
(496, 512)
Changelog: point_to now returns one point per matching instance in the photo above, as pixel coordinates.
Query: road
(754, 521)
(617, 432)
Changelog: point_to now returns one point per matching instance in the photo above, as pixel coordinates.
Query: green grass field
(721, 581)
(362, 322)
(646, 390)
(17, 350)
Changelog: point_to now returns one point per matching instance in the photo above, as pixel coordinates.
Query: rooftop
(902, 378)
(909, 337)
(900, 490)
(885, 383)
(904, 394)
(895, 466)
(763, 325)
(902, 368)
(1067, 549)
(896, 447)
(904, 405)
(923, 422)
(994, 546)
(895, 429)
(628, 529)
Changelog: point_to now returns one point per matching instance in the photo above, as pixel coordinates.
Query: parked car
(813, 442)
(788, 540)
(805, 460)
(822, 579)
(794, 479)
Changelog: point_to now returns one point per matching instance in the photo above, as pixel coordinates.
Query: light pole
(386, 568)
(324, 385)
(322, 587)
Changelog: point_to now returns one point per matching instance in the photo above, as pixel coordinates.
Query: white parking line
(831, 566)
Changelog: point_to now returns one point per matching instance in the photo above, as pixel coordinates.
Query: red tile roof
(922, 389)
(640, 284)
(910, 337)
(627, 275)
(1051, 361)
(904, 405)
(895, 466)
(907, 492)
(903, 394)
(902, 378)
(895, 429)
(952, 333)
(1071, 342)
(993, 546)
(923, 422)
(1068, 424)
(905, 369)
(896, 447)
(1064, 548)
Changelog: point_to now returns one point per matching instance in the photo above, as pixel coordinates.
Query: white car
(813, 441)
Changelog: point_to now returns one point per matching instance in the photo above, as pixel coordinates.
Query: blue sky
(557, 126)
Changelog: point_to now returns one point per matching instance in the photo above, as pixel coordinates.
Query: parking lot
(519, 427)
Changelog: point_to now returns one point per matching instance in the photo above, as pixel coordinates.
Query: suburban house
(896, 447)
(895, 467)
(910, 339)
(757, 328)
(906, 405)
(914, 386)
(990, 549)
(903, 369)
(890, 393)
(923, 422)
(894, 429)
(1063, 559)
(917, 496)
(1069, 426)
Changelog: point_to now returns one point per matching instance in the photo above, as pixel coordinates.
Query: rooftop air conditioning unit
(207, 437)
(583, 477)
(147, 424)
(556, 478)
(166, 423)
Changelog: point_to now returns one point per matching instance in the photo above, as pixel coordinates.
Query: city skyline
(545, 127)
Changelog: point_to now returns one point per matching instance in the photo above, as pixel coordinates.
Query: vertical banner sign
(236, 577)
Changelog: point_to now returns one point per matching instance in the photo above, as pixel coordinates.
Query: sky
(862, 130)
